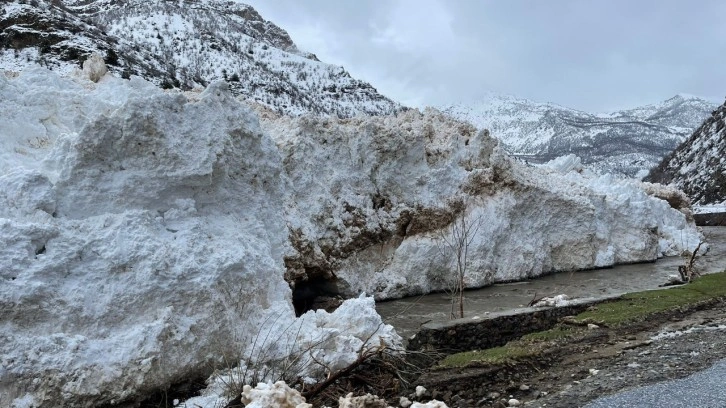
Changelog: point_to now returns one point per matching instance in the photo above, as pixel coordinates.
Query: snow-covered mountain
(624, 142)
(698, 166)
(184, 44)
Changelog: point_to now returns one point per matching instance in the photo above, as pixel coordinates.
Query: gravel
(681, 365)
(704, 389)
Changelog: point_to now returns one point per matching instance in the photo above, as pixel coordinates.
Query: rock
(513, 402)
(524, 387)
(420, 391)
(591, 326)
(404, 402)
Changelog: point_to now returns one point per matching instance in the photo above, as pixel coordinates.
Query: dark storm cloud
(586, 54)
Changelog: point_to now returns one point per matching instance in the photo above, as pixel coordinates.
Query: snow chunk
(94, 67)
(277, 395)
(365, 401)
(553, 301)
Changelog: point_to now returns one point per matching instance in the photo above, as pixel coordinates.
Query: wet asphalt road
(704, 389)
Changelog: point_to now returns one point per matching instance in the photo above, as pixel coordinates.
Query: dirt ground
(608, 363)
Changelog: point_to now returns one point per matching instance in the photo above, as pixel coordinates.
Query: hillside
(626, 142)
(698, 166)
(184, 44)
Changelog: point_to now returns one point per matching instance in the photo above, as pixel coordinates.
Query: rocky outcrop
(697, 166)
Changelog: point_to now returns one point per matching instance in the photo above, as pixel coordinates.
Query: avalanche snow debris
(143, 235)
(277, 395)
(141, 239)
(370, 198)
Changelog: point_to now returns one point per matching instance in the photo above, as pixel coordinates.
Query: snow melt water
(144, 236)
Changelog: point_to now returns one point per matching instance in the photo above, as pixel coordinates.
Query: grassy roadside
(627, 310)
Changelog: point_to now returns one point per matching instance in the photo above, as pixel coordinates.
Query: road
(704, 389)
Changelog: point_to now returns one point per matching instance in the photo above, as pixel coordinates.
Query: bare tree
(454, 243)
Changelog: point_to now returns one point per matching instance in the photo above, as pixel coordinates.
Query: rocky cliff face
(627, 142)
(184, 44)
(697, 166)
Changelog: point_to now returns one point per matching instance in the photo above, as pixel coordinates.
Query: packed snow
(142, 240)
(146, 236)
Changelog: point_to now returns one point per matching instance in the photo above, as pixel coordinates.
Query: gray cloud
(587, 54)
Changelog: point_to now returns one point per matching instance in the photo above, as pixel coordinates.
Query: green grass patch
(496, 355)
(637, 306)
(555, 333)
(629, 308)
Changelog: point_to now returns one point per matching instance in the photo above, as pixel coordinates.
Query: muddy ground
(609, 361)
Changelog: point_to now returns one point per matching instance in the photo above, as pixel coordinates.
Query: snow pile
(553, 301)
(142, 240)
(280, 395)
(94, 67)
(277, 395)
(369, 199)
(310, 347)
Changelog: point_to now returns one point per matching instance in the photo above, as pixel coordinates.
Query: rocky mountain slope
(625, 142)
(698, 166)
(147, 236)
(184, 44)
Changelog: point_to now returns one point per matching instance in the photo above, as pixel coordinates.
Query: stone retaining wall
(710, 219)
(492, 330)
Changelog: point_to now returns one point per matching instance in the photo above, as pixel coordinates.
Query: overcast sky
(585, 54)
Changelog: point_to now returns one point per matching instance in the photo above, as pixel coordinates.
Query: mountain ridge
(698, 166)
(624, 142)
(185, 44)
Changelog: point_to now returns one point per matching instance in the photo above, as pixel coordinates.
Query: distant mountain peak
(625, 142)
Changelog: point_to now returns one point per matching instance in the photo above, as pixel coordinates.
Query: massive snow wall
(369, 201)
(141, 243)
(144, 233)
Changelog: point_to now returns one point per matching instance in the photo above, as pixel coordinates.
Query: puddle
(408, 314)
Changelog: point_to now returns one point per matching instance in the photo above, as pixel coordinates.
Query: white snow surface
(144, 236)
(534, 220)
(141, 240)
(280, 395)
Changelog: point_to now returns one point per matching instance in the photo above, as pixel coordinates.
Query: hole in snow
(314, 294)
